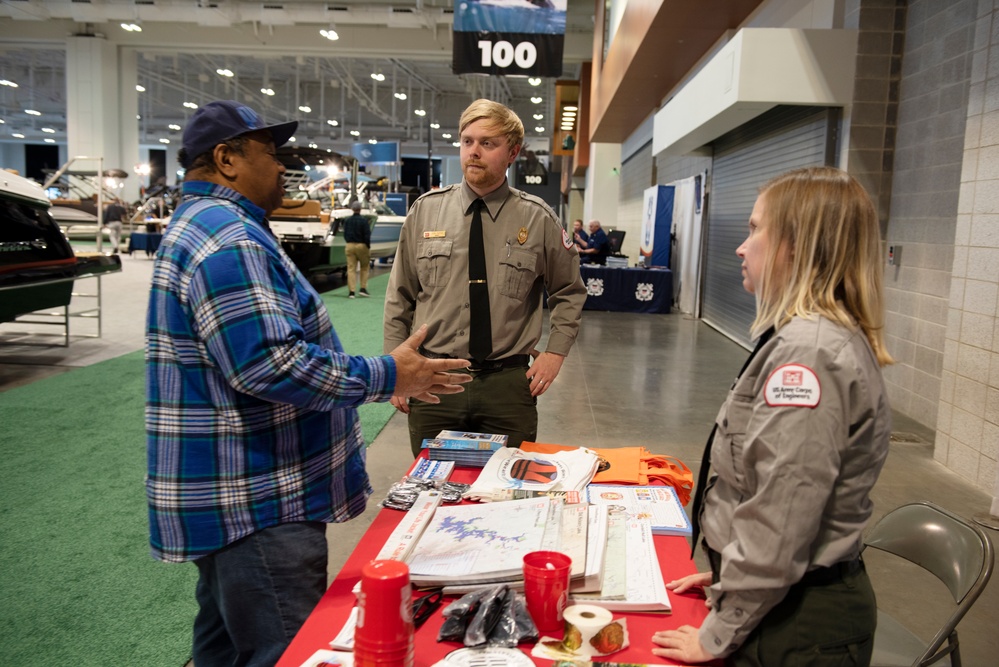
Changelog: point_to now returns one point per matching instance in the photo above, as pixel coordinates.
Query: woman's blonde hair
(497, 115)
(831, 262)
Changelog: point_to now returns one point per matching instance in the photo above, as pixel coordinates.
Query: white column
(603, 184)
(101, 106)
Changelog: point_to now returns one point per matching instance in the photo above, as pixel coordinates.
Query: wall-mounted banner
(509, 37)
(383, 152)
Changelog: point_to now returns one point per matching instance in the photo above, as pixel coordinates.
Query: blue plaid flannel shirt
(251, 416)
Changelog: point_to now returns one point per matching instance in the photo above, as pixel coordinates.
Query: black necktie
(480, 335)
(702, 474)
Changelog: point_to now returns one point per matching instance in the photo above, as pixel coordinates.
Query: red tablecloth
(332, 611)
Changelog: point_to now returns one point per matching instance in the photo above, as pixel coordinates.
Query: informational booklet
(659, 504)
(511, 468)
(465, 435)
(566, 533)
(646, 590)
(478, 543)
(432, 470)
(596, 550)
(407, 534)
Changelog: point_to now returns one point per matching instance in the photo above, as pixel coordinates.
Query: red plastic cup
(384, 633)
(546, 588)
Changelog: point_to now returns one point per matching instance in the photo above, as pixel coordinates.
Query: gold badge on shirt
(436, 234)
(522, 236)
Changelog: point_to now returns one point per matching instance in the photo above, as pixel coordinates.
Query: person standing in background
(253, 439)
(357, 235)
(114, 214)
(474, 260)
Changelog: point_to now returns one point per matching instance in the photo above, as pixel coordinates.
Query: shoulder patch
(793, 385)
(566, 241)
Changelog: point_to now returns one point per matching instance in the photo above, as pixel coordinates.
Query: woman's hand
(684, 584)
(681, 644)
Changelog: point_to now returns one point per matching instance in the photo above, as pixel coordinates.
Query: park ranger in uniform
(474, 262)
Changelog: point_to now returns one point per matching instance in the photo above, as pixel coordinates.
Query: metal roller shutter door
(636, 176)
(744, 159)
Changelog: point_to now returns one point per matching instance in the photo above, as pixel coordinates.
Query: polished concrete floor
(650, 380)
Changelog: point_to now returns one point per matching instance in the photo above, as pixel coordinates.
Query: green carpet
(79, 585)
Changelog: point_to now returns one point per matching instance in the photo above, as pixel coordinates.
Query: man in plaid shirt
(254, 443)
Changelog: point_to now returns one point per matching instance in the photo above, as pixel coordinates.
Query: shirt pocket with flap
(728, 452)
(518, 270)
(434, 262)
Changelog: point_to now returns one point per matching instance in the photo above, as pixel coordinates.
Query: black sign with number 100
(508, 53)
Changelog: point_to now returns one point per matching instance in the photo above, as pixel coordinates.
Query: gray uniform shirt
(526, 251)
(801, 441)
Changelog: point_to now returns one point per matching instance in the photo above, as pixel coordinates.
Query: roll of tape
(591, 631)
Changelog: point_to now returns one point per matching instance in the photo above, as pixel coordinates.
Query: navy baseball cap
(220, 121)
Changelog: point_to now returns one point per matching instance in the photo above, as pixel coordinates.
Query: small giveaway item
(546, 587)
(384, 633)
(590, 632)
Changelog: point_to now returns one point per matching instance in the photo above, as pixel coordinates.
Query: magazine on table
(659, 504)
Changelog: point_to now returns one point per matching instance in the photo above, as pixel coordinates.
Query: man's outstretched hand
(422, 378)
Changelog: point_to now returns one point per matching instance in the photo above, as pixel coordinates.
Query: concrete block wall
(926, 183)
(968, 415)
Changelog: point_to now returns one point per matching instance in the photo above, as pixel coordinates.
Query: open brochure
(511, 468)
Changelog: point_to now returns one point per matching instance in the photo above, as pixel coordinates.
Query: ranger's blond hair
(498, 116)
(831, 266)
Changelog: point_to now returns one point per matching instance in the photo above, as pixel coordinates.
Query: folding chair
(957, 552)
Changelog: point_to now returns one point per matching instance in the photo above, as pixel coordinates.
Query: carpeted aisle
(79, 585)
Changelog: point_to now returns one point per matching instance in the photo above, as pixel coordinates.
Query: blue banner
(383, 152)
(509, 37)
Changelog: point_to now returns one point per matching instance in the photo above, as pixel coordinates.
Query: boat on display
(37, 264)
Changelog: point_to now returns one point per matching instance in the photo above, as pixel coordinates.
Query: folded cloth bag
(632, 465)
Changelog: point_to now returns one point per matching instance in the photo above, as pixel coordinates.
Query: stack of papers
(508, 469)
(463, 448)
(614, 262)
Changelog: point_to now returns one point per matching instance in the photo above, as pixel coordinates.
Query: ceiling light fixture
(305, 108)
(539, 116)
(190, 105)
(17, 135)
(225, 71)
(537, 100)
(313, 145)
(267, 91)
(291, 139)
(131, 27)
(330, 33)
(332, 122)
(455, 144)
(435, 126)
(539, 129)
(2, 121)
(400, 96)
(164, 140)
(571, 108)
(355, 133)
(140, 88)
(372, 141)
(377, 76)
(534, 81)
(8, 83)
(174, 126)
(446, 135)
(48, 130)
(420, 112)
(49, 141)
(32, 112)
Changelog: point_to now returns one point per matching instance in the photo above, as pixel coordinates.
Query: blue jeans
(256, 593)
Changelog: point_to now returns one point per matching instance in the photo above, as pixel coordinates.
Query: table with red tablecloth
(334, 607)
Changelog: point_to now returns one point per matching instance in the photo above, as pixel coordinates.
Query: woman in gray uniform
(800, 440)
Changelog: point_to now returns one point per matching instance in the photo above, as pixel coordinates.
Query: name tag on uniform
(793, 385)
(435, 234)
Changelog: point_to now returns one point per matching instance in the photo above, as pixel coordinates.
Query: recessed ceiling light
(48, 130)
(131, 27)
(400, 96)
(225, 71)
(140, 88)
(539, 129)
(49, 141)
(539, 116)
(190, 105)
(174, 126)
(377, 76)
(446, 135)
(8, 83)
(372, 141)
(537, 100)
(305, 108)
(570, 108)
(17, 135)
(330, 34)
(534, 81)
(435, 126)
(455, 144)
(32, 112)
(164, 140)
(420, 112)
(332, 122)
(355, 133)
(267, 91)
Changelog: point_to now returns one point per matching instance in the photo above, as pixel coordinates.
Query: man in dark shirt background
(357, 234)
(596, 249)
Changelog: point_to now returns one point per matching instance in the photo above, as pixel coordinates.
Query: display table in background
(144, 241)
(334, 607)
(627, 290)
